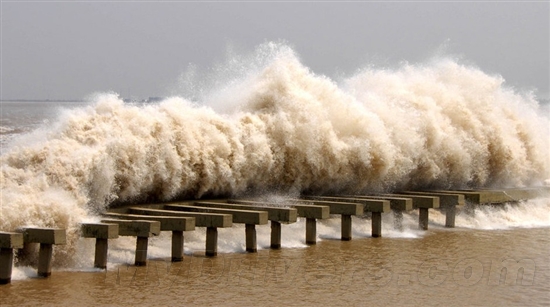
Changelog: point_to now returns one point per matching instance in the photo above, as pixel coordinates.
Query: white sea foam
(278, 127)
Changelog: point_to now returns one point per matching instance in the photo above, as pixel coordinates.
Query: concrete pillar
(177, 245)
(45, 260)
(311, 231)
(211, 241)
(8, 241)
(423, 217)
(6, 264)
(346, 227)
(376, 224)
(275, 235)
(251, 245)
(450, 213)
(101, 249)
(141, 251)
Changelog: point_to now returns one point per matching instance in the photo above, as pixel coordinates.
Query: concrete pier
(142, 230)
(370, 205)
(310, 212)
(422, 203)
(345, 209)
(209, 220)
(46, 237)
(177, 225)
(276, 215)
(449, 203)
(102, 232)
(248, 217)
(275, 235)
(211, 241)
(8, 242)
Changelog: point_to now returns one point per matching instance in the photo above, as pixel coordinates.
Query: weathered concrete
(310, 212)
(278, 214)
(167, 223)
(369, 204)
(209, 220)
(201, 219)
(43, 235)
(307, 211)
(423, 203)
(396, 203)
(346, 229)
(275, 235)
(102, 233)
(477, 197)
(345, 209)
(142, 230)
(239, 216)
(177, 225)
(374, 206)
(376, 224)
(211, 241)
(248, 217)
(311, 231)
(447, 202)
(250, 238)
(8, 241)
(46, 237)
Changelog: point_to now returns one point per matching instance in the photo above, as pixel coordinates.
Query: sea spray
(283, 130)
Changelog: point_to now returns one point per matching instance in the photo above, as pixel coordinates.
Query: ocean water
(266, 124)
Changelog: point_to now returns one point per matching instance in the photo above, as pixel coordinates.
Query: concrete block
(369, 204)
(167, 223)
(396, 203)
(201, 219)
(307, 211)
(99, 230)
(335, 207)
(136, 228)
(239, 216)
(43, 235)
(277, 214)
(11, 240)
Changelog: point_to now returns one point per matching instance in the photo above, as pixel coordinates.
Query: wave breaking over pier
(280, 128)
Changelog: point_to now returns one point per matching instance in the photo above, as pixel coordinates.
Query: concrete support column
(45, 260)
(177, 245)
(311, 231)
(376, 224)
(101, 248)
(141, 251)
(250, 232)
(346, 227)
(211, 241)
(423, 217)
(6, 264)
(275, 235)
(450, 213)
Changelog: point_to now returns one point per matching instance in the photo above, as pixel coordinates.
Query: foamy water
(278, 127)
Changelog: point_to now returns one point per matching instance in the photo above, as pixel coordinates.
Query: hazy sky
(70, 49)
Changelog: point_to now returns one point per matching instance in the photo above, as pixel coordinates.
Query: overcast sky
(63, 50)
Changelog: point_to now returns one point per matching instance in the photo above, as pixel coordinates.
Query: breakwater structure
(147, 220)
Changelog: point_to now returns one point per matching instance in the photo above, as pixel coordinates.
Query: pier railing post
(46, 237)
